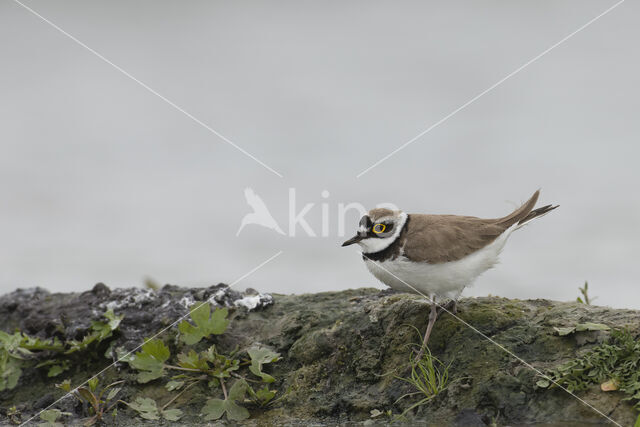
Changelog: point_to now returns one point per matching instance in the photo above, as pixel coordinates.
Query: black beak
(354, 239)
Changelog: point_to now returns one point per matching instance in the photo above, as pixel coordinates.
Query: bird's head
(378, 229)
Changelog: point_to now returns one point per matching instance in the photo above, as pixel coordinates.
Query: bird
(260, 215)
(436, 256)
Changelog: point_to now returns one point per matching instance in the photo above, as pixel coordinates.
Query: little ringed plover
(436, 255)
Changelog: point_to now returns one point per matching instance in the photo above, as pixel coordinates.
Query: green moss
(615, 363)
(342, 350)
(493, 317)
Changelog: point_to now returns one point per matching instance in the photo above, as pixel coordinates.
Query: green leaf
(93, 383)
(543, 383)
(10, 370)
(235, 411)
(50, 415)
(205, 323)
(87, 395)
(113, 392)
(637, 423)
(215, 408)
(146, 407)
(11, 344)
(56, 370)
(151, 360)
(122, 355)
(104, 329)
(146, 376)
(172, 414)
(99, 332)
(65, 385)
(264, 395)
(35, 343)
(259, 357)
(174, 385)
(114, 321)
(222, 365)
(192, 360)
(238, 390)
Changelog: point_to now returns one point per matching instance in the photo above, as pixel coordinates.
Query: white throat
(377, 244)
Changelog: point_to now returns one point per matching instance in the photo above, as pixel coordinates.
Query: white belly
(444, 280)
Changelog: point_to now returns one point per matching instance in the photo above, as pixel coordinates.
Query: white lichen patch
(131, 297)
(250, 301)
(187, 301)
(221, 293)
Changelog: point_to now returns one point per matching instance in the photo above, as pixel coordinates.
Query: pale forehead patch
(379, 213)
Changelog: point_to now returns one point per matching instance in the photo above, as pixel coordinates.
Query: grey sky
(102, 181)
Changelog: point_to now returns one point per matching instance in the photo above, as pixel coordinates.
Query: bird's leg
(451, 307)
(433, 315)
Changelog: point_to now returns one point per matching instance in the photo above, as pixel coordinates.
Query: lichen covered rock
(342, 354)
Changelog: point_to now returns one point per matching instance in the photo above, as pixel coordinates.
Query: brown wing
(442, 238)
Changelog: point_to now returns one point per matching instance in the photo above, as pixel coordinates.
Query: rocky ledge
(343, 356)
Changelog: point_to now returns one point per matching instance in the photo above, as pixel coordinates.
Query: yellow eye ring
(379, 228)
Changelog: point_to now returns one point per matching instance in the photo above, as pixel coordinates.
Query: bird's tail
(536, 213)
(525, 213)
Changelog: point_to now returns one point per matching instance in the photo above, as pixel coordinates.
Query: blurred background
(100, 180)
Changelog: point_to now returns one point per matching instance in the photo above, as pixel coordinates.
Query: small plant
(16, 351)
(260, 357)
(428, 375)
(150, 360)
(205, 323)
(19, 350)
(14, 415)
(585, 299)
(149, 283)
(148, 409)
(98, 332)
(99, 403)
(216, 408)
(50, 418)
(11, 357)
(614, 365)
(154, 361)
